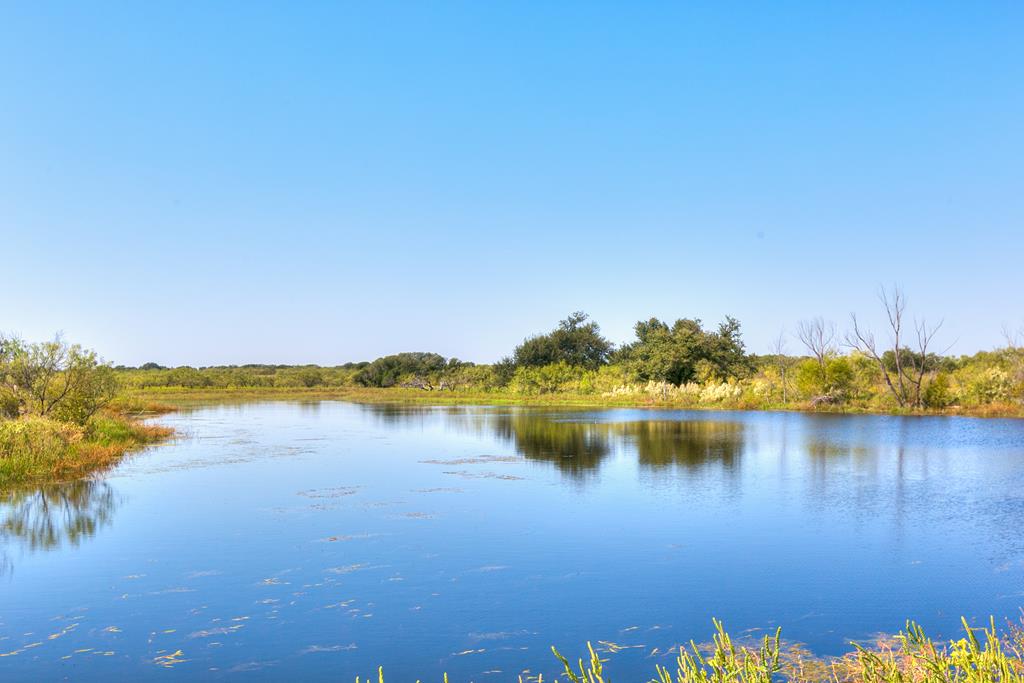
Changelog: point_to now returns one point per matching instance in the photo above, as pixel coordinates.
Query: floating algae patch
(335, 492)
(611, 648)
(200, 574)
(64, 631)
(13, 653)
(174, 589)
(348, 568)
(345, 538)
(169, 660)
(417, 515)
(273, 581)
(253, 666)
(476, 460)
(465, 474)
(313, 649)
(337, 605)
(216, 631)
(500, 635)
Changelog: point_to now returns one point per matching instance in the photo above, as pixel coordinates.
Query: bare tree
(1015, 355)
(819, 336)
(782, 362)
(1014, 338)
(905, 374)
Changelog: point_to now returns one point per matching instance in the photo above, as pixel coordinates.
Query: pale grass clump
(690, 393)
(720, 392)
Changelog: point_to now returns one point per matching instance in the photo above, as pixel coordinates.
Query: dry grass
(36, 449)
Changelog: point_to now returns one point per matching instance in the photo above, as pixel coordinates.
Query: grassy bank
(36, 449)
(176, 395)
(982, 655)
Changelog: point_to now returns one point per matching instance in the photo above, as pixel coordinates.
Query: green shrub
(33, 444)
(939, 392)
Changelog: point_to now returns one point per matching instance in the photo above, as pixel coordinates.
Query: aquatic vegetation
(908, 657)
(336, 492)
(465, 474)
(478, 460)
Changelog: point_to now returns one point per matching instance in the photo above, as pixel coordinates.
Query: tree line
(684, 361)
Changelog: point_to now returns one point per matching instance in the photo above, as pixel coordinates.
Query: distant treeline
(682, 362)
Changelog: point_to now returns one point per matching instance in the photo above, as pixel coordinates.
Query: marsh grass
(36, 449)
(982, 655)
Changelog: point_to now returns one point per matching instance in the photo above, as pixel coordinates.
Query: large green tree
(391, 370)
(577, 341)
(679, 353)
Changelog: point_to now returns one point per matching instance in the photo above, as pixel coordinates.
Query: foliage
(685, 352)
(53, 379)
(679, 364)
(53, 418)
(939, 392)
(576, 342)
(832, 382)
(390, 370)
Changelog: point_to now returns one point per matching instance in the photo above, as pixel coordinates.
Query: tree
(577, 342)
(782, 362)
(902, 368)
(819, 337)
(1015, 358)
(54, 379)
(390, 370)
(454, 374)
(673, 354)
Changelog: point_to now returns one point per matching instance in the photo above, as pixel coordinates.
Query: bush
(54, 379)
(939, 392)
(991, 385)
(545, 379)
(32, 444)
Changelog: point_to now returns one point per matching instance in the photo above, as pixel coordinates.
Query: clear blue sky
(320, 182)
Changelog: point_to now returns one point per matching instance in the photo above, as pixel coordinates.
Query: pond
(318, 540)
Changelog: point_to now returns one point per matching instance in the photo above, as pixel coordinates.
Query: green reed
(982, 655)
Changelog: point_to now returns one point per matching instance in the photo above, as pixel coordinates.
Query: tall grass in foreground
(983, 655)
(39, 449)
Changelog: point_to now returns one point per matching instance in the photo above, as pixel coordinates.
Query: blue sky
(320, 182)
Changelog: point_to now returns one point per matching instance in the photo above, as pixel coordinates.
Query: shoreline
(177, 395)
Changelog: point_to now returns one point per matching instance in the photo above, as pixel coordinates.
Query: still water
(314, 541)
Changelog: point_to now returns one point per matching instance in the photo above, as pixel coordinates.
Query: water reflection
(577, 445)
(688, 443)
(575, 448)
(57, 515)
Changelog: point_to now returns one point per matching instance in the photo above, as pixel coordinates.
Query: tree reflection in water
(579, 446)
(54, 515)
